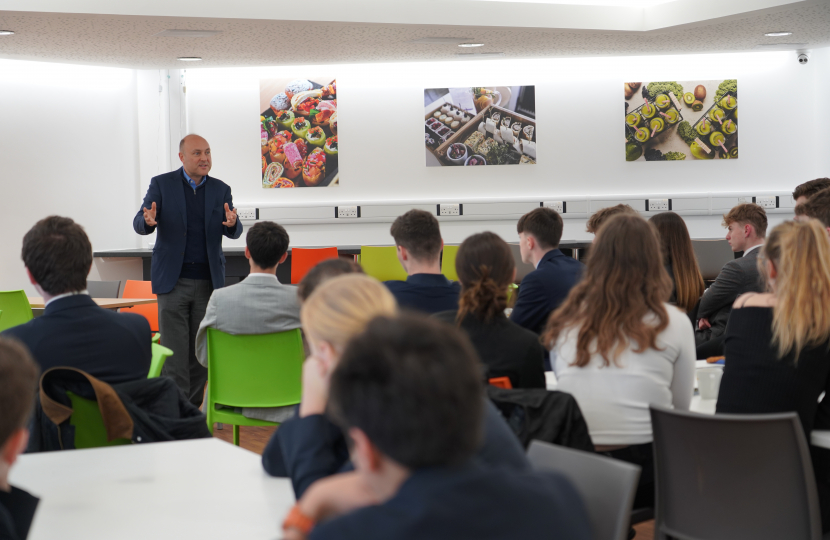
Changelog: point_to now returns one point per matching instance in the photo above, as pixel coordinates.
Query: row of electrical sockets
(440, 210)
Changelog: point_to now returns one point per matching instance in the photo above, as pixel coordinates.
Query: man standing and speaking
(191, 211)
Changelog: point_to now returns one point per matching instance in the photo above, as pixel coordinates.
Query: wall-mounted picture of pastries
(480, 125)
(298, 132)
(681, 120)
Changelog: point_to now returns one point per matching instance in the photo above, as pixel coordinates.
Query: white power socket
(766, 202)
(347, 211)
(658, 205)
(557, 206)
(744, 200)
(246, 213)
(449, 209)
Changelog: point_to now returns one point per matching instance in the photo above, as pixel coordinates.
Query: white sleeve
(683, 379)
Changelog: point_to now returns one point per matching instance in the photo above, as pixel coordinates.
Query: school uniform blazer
(544, 289)
(171, 217)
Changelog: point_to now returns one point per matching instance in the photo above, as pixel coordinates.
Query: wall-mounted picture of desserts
(480, 125)
(681, 120)
(298, 132)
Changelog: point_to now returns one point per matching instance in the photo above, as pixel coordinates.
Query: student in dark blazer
(408, 393)
(419, 244)
(191, 211)
(73, 331)
(542, 290)
(485, 268)
(18, 387)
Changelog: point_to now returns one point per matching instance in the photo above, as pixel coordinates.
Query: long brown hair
(801, 255)
(485, 266)
(678, 252)
(623, 282)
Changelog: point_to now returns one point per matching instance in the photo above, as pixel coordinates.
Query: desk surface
(109, 303)
(201, 489)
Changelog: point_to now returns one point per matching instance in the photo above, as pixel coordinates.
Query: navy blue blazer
(429, 293)
(310, 448)
(544, 289)
(171, 217)
(469, 502)
(75, 332)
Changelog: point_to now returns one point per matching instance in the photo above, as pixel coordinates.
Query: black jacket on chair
(144, 411)
(75, 332)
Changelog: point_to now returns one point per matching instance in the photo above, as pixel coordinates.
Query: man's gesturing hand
(150, 216)
(230, 216)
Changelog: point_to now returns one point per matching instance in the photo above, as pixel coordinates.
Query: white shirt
(64, 295)
(747, 250)
(615, 399)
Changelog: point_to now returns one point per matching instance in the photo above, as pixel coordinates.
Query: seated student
(73, 331)
(418, 240)
(680, 262)
(324, 271)
(747, 227)
(18, 386)
(310, 447)
(542, 290)
(601, 216)
(806, 190)
(259, 304)
(816, 207)
(618, 347)
(485, 268)
(778, 343)
(408, 393)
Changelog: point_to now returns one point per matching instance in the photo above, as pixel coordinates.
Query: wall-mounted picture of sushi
(681, 120)
(480, 125)
(298, 132)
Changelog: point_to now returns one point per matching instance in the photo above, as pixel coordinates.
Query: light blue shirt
(191, 182)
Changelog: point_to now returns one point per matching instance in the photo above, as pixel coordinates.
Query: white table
(203, 489)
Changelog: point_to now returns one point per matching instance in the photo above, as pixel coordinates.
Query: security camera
(803, 58)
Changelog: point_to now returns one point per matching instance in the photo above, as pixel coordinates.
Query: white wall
(578, 116)
(68, 146)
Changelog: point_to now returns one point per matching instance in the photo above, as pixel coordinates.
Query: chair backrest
(89, 425)
(304, 259)
(103, 289)
(711, 256)
(142, 289)
(16, 309)
(733, 477)
(500, 382)
(522, 268)
(160, 354)
(448, 262)
(256, 370)
(381, 262)
(607, 486)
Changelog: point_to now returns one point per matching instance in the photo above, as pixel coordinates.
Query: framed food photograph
(480, 125)
(298, 132)
(681, 120)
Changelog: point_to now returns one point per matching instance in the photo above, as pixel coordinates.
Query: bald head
(194, 153)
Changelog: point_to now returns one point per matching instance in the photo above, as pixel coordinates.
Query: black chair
(733, 477)
(607, 486)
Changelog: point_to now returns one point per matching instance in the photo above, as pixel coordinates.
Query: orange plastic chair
(304, 259)
(142, 289)
(501, 382)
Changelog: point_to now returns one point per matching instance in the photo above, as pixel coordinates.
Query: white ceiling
(92, 34)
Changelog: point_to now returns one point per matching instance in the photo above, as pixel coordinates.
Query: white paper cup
(708, 382)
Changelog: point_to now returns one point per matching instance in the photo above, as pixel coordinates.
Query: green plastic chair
(16, 309)
(381, 262)
(160, 354)
(89, 425)
(448, 262)
(156, 337)
(511, 290)
(256, 370)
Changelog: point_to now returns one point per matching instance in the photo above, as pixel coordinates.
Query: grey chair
(607, 486)
(103, 289)
(522, 268)
(733, 477)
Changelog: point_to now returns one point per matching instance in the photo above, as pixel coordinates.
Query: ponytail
(483, 298)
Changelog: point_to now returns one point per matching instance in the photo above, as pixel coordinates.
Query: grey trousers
(180, 313)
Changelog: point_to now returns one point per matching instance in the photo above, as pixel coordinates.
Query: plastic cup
(708, 382)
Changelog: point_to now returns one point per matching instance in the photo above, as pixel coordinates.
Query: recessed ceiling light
(6, 33)
(778, 34)
(190, 58)
(471, 44)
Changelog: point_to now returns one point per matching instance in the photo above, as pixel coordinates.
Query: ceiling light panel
(778, 34)
(6, 33)
(190, 58)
